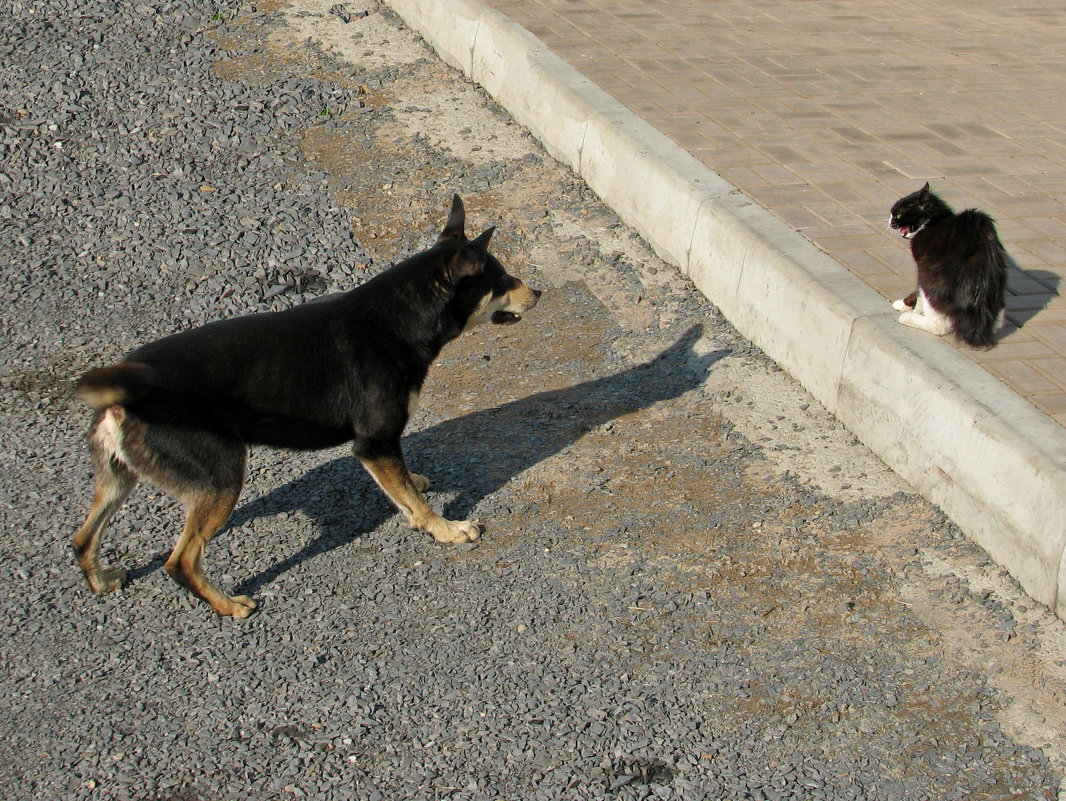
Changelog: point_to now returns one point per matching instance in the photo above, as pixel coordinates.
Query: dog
(182, 411)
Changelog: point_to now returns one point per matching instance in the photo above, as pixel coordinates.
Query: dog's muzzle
(509, 316)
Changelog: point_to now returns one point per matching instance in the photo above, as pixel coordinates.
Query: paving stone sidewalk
(826, 112)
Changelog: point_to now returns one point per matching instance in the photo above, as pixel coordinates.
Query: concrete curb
(960, 437)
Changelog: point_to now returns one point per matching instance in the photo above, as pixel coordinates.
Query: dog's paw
(421, 482)
(109, 579)
(457, 531)
(240, 606)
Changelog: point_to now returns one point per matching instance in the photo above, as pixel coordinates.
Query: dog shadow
(495, 445)
(1033, 289)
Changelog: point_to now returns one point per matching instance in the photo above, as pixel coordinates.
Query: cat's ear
(925, 189)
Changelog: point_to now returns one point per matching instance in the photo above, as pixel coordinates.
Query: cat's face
(912, 213)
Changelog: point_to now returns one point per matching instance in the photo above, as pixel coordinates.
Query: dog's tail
(115, 385)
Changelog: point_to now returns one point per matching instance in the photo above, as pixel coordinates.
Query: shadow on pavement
(1033, 289)
(476, 454)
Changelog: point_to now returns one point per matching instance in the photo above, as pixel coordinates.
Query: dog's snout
(527, 297)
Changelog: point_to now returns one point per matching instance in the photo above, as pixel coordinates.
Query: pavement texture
(826, 114)
(759, 146)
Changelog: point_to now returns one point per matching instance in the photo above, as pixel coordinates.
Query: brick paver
(826, 111)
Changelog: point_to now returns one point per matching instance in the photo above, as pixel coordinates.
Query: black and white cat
(962, 269)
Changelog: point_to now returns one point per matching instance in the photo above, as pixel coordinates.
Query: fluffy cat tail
(977, 330)
(983, 294)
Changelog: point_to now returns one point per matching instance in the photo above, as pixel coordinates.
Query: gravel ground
(694, 584)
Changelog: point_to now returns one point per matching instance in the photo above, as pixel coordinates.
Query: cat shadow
(473, 455)
(1032, 291)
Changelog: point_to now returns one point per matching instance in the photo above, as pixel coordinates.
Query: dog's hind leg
(114, 481)
(387, 467)
(204, 470)
(206, 513)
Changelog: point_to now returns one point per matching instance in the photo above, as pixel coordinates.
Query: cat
(962, 269)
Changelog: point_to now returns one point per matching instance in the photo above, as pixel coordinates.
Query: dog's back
(298, 378)
(269, 379)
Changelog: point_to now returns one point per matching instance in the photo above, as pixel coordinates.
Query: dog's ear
(455, 228)
(470, 260)
(482, 242)
(467, 263)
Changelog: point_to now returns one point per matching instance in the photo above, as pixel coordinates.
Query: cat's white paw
(936, 325)
(910, 318)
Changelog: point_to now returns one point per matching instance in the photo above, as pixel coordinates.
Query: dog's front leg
(386, 465)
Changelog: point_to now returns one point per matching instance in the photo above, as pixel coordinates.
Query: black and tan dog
(182, 411)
